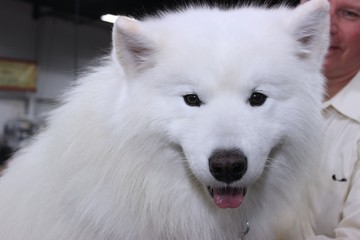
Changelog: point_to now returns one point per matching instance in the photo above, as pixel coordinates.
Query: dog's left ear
(310, 25)
(132, 47)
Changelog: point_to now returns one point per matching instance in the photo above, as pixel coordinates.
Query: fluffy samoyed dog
(202, 124)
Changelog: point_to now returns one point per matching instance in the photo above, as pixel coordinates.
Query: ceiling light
(109, 18)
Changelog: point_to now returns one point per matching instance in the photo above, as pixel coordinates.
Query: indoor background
(58, 38)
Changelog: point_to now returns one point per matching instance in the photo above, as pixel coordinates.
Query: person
(335, 204)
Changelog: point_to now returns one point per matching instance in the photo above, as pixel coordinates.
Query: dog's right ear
(310, 26)
(132, 48)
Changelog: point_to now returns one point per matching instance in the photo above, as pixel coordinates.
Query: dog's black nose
(228, 165)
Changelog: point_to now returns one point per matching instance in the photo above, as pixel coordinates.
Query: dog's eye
(192, 100)
(257, 99)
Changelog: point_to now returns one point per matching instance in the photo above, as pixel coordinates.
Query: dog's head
(239, 90)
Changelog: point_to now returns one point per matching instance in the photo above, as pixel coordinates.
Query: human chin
(327, 63)
(332, 57)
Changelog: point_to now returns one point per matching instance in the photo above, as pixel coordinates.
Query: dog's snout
(228, 165)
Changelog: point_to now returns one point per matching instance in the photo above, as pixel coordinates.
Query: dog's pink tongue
(228, 198)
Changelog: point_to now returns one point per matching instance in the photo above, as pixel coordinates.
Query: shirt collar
(347, 100)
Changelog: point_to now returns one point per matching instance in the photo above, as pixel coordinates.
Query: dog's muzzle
(227, 166)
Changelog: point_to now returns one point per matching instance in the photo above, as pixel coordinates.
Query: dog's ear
(132, 48)
(310, 25)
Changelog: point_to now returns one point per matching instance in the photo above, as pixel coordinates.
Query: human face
(343, 58)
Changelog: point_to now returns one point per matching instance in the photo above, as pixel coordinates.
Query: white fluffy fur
(125, 158)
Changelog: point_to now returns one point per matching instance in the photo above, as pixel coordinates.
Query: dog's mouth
(227, 197)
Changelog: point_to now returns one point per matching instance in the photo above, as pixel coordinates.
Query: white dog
(202, 123)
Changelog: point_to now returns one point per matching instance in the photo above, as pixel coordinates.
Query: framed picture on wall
(17, 74)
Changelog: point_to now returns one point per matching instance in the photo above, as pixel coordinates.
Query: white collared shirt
(335, 205)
